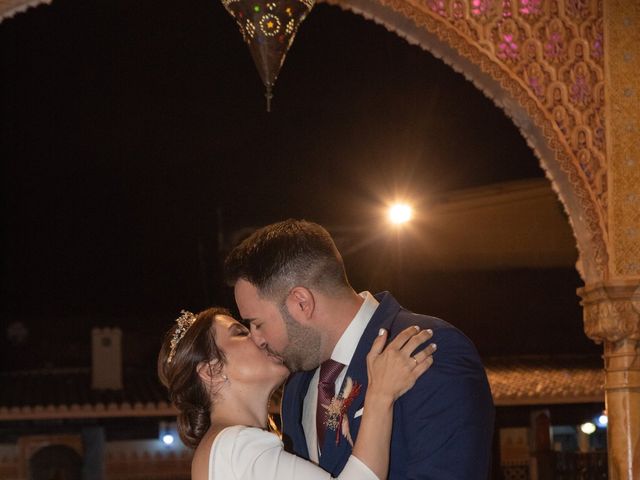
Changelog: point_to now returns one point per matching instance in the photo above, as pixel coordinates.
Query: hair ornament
(184, 321)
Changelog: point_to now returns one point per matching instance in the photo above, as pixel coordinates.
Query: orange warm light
(400, 213)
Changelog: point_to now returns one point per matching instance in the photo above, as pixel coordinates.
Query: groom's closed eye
(255, 324)
(239, 330)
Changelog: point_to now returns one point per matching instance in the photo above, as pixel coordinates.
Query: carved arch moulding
(542, 62)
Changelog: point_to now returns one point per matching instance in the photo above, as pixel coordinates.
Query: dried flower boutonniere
(336, 410)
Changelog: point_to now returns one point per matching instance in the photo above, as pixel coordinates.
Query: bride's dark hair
(186, 390)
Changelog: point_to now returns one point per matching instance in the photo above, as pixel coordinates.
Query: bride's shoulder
(244, 442)
(224, 447)
(239, 435)
(200, 460)
(202, 454)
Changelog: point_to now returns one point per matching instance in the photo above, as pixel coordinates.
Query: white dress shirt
(343, 353)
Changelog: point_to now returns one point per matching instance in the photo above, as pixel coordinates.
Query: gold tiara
(184, 321)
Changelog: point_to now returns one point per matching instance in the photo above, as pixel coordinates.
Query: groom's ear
(301, 304)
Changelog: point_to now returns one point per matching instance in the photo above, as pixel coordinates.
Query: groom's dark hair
(283, 255)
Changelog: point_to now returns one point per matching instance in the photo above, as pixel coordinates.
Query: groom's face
(262, 316)
(273, 328)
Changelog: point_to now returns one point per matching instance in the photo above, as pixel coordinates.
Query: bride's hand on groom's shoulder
(394, 369)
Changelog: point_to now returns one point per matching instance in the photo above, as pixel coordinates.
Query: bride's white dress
(249, 453)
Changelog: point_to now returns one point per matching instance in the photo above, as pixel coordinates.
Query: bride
(221, 382)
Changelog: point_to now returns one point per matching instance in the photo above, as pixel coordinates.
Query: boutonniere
(336, 419)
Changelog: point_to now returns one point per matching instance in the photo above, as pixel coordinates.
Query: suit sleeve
(447, 418)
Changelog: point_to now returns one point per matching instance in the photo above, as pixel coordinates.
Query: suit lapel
(292, 406)
(334, 456)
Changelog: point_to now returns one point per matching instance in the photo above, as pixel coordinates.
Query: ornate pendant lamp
(268, 27)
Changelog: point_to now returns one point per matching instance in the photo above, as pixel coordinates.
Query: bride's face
(245, 362)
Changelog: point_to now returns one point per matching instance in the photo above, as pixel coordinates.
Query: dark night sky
(127, 125)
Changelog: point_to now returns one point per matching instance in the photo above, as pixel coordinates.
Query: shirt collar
(346, 346)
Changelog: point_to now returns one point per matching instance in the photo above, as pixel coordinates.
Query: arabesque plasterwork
(9, 8)
(612, 311)
(622, 23)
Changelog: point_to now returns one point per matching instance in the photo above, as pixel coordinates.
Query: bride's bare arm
(392, 371)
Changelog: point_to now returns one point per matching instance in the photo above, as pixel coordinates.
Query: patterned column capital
(611, 310)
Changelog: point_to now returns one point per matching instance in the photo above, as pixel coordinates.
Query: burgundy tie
(329, 371)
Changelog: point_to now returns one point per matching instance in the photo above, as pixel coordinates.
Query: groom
(291, 287)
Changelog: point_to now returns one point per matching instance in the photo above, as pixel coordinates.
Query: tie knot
(329, 371)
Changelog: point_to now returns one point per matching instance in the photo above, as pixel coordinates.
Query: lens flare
(400, 213)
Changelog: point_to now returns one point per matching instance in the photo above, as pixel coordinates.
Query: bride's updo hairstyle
(178, 371)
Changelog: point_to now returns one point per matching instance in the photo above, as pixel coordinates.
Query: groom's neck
(335, 314)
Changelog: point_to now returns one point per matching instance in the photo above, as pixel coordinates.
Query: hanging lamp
(268, 27)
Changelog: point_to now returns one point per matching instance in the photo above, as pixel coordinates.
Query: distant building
(89, 423)
(54, 419)
(541, 403)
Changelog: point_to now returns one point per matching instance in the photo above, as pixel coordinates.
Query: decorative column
(612, 317)
(612, 307)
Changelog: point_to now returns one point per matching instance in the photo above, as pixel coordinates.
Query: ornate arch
(542, 62)
(9, 8)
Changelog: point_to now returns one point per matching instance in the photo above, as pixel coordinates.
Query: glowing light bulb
(603, 420)
(588, 428)
(167, 438)
(400, 213)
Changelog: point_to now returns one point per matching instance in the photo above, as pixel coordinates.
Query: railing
(560, 466)
(580, 466)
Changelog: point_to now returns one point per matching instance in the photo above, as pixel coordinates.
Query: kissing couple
(366, 394)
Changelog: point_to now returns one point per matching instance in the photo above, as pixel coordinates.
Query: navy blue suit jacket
(442, 427)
